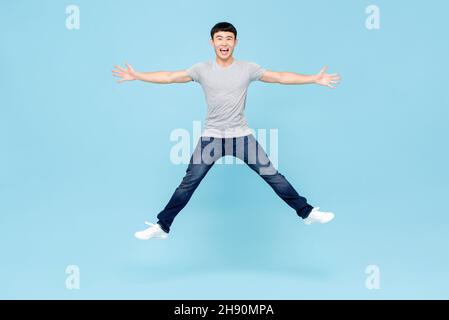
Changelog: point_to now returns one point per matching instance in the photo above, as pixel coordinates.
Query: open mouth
(224, 50)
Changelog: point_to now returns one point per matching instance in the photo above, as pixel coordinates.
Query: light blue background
(84, 161)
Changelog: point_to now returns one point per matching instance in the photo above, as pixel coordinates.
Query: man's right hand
(154, 77)
(125, 74)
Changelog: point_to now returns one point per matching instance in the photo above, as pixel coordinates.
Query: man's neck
(224, 63)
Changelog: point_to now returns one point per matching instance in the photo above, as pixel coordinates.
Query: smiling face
(224, 43)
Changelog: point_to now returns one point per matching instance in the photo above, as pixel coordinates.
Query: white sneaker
(317, 216)
(154, 231)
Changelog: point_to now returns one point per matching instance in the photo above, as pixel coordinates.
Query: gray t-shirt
(225, 89)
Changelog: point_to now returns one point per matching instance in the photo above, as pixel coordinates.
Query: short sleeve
(194, 72)
(255, 71)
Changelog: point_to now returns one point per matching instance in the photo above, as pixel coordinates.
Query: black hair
(223, 26)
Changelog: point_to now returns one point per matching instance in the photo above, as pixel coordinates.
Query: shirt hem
(215, 133)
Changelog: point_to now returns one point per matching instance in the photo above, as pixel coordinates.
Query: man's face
(224, 43)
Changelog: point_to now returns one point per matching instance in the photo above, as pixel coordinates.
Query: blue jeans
(246, 148)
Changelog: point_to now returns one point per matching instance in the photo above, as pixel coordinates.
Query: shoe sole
(329, 220)
(321, 222)
(160, 238)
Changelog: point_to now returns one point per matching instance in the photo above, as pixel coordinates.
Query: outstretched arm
(321, 78)
(164, 77)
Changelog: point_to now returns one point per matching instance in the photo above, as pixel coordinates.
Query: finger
(330, 86)
(117, 75)
(129, 66)
(120, 81)
(120, 68)
(336, 82)
(323, 70)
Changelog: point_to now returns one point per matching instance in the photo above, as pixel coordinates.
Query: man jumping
(225, 81)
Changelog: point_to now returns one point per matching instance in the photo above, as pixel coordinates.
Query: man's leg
(198, 167)
(256, 158)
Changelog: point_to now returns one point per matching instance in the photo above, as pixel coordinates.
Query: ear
(236, 42)
(211, 42)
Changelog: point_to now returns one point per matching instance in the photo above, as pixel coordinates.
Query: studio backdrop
(84, 161)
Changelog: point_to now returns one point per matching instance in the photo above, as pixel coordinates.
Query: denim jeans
(246, 148)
